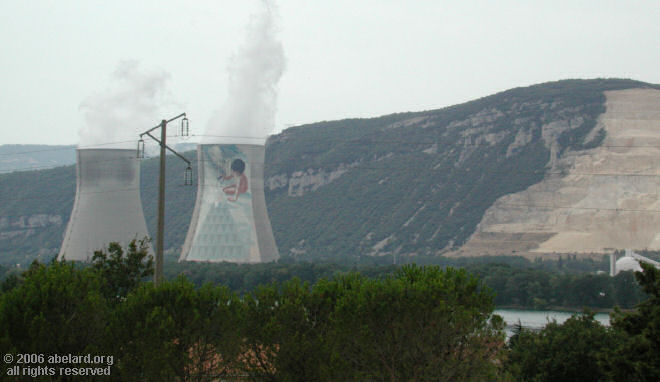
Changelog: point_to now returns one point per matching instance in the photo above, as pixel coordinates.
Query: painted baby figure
(241, 185)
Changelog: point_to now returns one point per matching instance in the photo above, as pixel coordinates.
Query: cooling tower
(230, 220)
(107, 207)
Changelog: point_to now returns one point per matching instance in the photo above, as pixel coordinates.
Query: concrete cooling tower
(107, 207)
(230, 221)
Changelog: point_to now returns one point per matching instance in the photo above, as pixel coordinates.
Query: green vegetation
(122, 272)
(571, 351)
(26, 194)
(638, 355)
(419, 323)
(516, 282)
(415, 323)
(569, 284)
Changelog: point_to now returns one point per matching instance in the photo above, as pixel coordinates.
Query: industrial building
(629, 262)
(107, 206)
(230, 221)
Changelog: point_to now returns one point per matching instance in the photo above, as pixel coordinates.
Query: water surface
(537, 319)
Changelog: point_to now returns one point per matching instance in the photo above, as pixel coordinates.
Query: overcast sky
(358, 58)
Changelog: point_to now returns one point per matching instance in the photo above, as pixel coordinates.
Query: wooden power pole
(160, 234)
(158, 275)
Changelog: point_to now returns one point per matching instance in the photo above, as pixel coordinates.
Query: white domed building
(629, 262)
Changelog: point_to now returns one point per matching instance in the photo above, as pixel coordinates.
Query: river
(537, 319)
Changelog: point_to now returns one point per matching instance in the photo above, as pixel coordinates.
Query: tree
(421, 323)
(122, 272)
(177, 332)
(637, 356)
(57, 309)
(560, 352)
(285, 331)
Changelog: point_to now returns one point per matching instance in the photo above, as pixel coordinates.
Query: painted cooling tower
(230, 221)
(107, 207)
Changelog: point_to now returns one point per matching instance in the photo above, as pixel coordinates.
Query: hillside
(402, 184)
(590, 200)
(420, 183)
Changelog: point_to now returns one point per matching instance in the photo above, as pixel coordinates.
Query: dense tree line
(418, 323)
(516, 282)
(538, 289)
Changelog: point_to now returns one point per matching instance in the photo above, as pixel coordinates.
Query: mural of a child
(241, 185)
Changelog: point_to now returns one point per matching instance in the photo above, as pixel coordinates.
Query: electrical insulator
(140, 149)
(185, 131)
(187, 177)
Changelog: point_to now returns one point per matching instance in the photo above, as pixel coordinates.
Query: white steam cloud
(132, 103)
(248, 115)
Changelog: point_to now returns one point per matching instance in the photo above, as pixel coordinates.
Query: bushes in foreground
(416, 323)
(420, 323)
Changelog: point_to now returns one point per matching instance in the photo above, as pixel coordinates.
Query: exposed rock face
(26, 225)
(591, 201)
(301, 182)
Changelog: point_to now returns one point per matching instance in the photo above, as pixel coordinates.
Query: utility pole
(160, 234)
(158, 274)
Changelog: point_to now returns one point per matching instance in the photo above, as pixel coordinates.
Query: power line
(74, 147)
(66, 148)
(362, 140)
(24, 169)
(34, 168)
(229, 136)
(46, 167)
(357, 166)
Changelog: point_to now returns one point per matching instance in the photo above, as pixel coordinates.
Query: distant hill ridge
(39, 157)
(35, 157)
(400, 184)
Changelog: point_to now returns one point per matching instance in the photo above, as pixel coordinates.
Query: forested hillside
(399, 185)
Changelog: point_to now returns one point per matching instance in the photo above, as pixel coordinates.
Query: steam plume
(131, 104)
(254, 72)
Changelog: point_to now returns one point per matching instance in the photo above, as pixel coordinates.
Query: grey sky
(343, 58)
